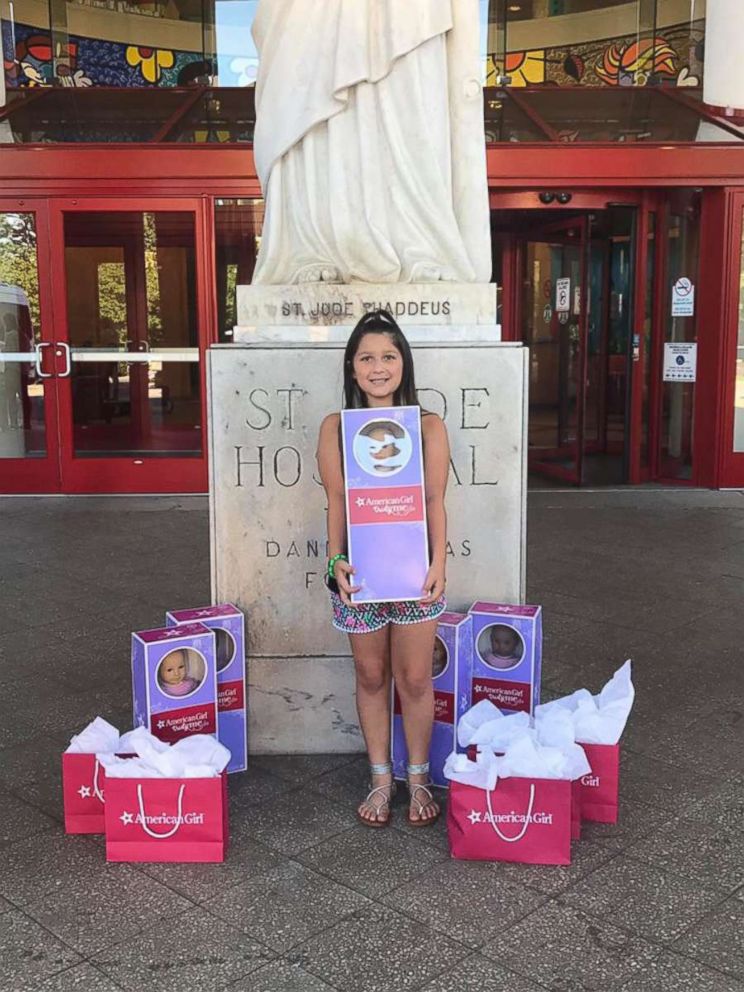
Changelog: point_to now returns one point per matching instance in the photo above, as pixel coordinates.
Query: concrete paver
(309, 901)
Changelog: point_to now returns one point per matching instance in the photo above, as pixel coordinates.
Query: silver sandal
(414, 788)
(382, 805)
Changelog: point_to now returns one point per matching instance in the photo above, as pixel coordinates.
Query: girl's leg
(372, 663)
(411, 649)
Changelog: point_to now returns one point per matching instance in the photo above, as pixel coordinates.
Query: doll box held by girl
(227, 622)
(385, 505)
(451, 674)
(174, 681)
(507, 655)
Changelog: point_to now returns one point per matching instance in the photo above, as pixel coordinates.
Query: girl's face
(378, 368)
(173, 669)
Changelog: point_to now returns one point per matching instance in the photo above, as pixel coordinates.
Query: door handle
(63, 348)
(39, 349)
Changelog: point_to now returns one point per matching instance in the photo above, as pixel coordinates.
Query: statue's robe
(369, 141)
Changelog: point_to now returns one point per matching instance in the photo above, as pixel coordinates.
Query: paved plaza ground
(310, 901)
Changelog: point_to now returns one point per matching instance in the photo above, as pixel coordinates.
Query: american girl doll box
(387, 538)
(227, 622)
(174, 681)
(507, 655)
(451, 665)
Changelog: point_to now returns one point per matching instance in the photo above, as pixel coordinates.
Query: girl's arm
(436, 473)
(332, 477)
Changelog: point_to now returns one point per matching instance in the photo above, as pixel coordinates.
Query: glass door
(554, 316)
(676, 410)
(132, 323)
(28, 357)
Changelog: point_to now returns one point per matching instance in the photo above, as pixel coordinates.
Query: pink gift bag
(599, 789)
(523, 820)
(82, 793)
(166, 819)
(576, 810)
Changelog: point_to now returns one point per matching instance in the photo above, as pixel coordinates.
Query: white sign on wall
(680, 362)
(562, 295)
(683, 298)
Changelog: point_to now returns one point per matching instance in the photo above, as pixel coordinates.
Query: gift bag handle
(96, 787)
(523, 831)
(154, 833)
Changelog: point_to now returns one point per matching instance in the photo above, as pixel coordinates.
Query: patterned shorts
(369, 617)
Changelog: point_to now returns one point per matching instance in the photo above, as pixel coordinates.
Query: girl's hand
(434, 584)
(342, 573)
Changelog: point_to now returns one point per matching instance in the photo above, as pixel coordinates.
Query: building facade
(130, 210)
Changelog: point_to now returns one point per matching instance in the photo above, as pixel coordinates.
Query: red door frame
(38, 473)
(714, 462)
(128, 474)
(731, 463)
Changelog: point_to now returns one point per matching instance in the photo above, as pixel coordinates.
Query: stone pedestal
(439, 304)
(268, 393)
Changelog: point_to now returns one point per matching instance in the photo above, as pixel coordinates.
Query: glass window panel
(130, 291)
(94, 115)
(218, 117)
(129, 43)
(236, 55)
(237, 226)
(739, 370)
(553, 341)
(26, 50)
(623, 115)
(506, 122)
(595, 42)
(22, 399)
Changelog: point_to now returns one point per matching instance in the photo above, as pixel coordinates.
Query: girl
(388, 639)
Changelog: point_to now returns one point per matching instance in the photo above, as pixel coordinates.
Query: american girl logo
(376, 506)
(506, 695)
(162, 819)
(174, 724)
(539, 818)
(591, 780)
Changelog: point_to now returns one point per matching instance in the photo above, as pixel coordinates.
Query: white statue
(369, 142)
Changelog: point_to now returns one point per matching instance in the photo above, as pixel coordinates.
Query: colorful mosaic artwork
(92, 62)
(676, 57)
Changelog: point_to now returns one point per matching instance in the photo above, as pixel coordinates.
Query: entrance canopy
(210, 115)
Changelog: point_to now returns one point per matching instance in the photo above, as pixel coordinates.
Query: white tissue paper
(481, 773)
(198, 756)
(524, 758)
(98, 737)
(597, 719)
(486, 725)
(133, 739)
(555, 728)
